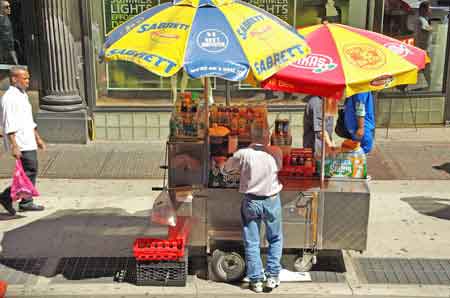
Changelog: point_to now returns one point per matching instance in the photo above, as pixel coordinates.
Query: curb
(206, 289)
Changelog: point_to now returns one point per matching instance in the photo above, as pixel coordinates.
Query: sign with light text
(119, 11)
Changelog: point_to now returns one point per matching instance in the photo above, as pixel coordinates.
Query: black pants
(30, 165)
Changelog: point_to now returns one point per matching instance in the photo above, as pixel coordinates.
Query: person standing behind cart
(359, 119)
(258, 166)
(312, 125)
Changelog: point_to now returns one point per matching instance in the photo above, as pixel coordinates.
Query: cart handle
(193, 188)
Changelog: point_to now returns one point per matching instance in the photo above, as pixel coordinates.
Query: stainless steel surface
(198, 236)
(183, 208)
(224, 222)
(345, 185)
(336, 219)
(296, 235)
(187, 163)
(223, 209)
(344, 216)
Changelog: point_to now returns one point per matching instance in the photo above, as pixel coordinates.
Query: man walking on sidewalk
(20, 134)
(259, 165)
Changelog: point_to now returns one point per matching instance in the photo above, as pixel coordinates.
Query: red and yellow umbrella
(350, 60)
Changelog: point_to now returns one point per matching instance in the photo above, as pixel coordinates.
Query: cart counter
(335, 217)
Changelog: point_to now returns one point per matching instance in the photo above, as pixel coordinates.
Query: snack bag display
(350, 162)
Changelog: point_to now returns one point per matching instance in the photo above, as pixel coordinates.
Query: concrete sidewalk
(405, 154)
(89, 221)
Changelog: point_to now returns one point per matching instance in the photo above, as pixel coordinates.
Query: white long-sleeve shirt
(16, 117)
(258, 170)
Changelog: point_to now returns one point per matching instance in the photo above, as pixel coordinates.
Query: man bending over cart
(258, 166)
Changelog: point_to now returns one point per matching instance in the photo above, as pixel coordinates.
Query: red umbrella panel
(349, 60)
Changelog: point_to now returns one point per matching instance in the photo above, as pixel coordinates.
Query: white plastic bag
(163, 211)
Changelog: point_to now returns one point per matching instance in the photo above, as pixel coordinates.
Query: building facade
(77, 98)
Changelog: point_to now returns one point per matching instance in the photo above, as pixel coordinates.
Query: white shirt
(258, 169)
(16, 116)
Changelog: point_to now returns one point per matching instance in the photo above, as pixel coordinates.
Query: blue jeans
(255, 209)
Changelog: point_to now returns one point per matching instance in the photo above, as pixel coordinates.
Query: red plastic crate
(153, 249)
(172, 249)
(3, 287)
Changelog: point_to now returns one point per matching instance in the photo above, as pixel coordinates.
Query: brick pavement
(404, 154)
(96, 161)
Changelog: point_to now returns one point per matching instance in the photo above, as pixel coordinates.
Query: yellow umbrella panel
(227, 39)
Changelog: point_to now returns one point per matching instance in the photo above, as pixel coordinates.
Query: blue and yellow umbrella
(208, 38)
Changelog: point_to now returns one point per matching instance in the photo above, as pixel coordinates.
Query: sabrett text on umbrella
(150, 58)
(281, 57)
(245, 26)
(163, 25)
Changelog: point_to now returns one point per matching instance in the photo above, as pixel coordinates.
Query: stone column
(62, 117)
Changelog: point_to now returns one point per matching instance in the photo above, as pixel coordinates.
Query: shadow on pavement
(436, 207)
(93, 246)
(77, 244)
(5, 216)
(445, 167)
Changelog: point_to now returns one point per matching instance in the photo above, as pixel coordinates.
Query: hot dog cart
(332, 215)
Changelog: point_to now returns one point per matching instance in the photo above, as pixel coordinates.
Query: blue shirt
(360, 105)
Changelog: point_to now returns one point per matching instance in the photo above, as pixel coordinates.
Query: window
(402, 21)
(11, 33)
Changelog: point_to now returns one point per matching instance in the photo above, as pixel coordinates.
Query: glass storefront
(18, 42)
(125, 84)
(401, 21)
(11, 33)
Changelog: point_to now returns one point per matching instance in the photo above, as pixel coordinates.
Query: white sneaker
(247, 280)
(256, 287)
(272, 282)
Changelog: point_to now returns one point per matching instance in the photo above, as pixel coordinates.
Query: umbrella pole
(389, 118)
(227, 92)
(323, 153)
(205, 93)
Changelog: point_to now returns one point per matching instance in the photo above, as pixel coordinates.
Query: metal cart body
(332, 217)
(341, 220)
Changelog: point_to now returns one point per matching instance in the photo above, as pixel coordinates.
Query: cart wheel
(228, 266)
(304, 263)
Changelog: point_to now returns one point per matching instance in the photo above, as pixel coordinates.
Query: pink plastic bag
(21, 185)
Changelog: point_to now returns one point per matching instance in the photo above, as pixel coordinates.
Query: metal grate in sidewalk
(93, 270)
(16, 271)
(329, 269)
(404, 271)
